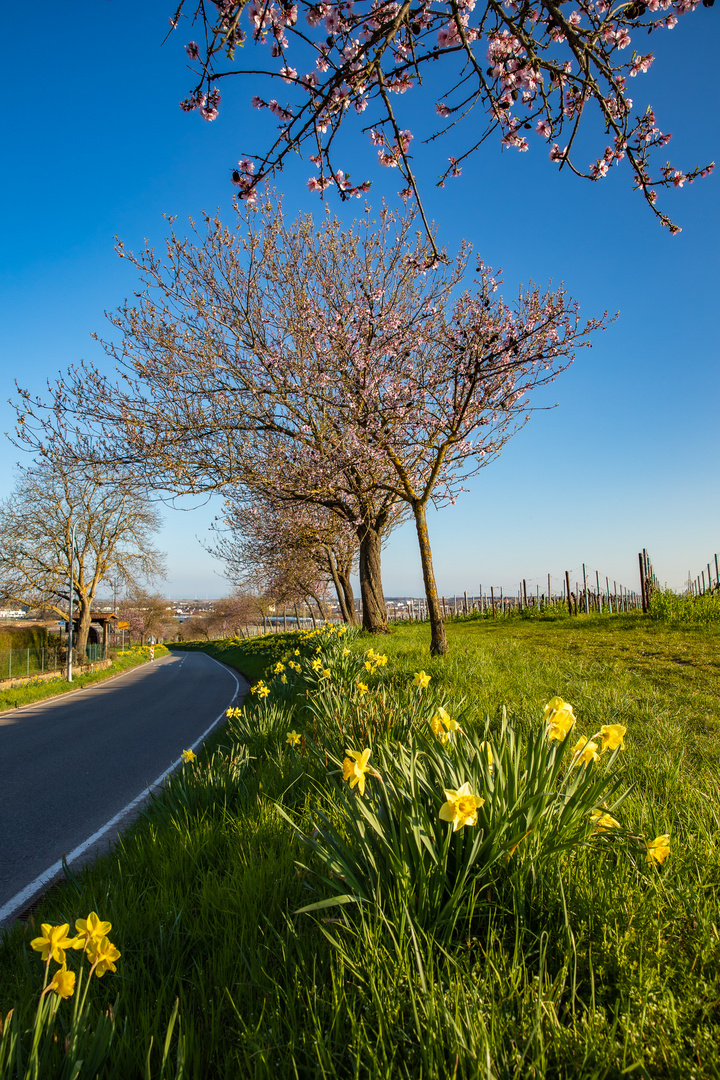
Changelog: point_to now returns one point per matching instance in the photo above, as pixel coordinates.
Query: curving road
(70, 766)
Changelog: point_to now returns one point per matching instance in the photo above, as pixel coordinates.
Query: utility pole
(70, 613)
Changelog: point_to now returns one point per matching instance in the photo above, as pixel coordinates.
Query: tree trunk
(297, 616)
(312, 614)
(438, 640)
(321, 608)
(349, 597)
(371, 590)
(337, 584)
(83, 625)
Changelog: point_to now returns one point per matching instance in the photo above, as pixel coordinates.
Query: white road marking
(20, 899)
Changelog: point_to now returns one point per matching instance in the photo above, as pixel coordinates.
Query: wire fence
(24, 663)
(579, 591)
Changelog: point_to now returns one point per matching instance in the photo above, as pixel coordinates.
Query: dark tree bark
(438, 639)
(373, 602)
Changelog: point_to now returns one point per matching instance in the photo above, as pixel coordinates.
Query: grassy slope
(201, 893)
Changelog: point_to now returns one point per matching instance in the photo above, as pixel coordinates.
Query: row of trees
(331, 381)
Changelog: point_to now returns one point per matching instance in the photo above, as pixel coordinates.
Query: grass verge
(595, 963)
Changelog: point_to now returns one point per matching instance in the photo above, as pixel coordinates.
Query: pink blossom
(442, 110)
(192, 50)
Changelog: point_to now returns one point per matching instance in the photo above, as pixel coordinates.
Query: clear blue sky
(94, 145)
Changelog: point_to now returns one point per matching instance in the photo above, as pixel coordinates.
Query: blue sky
(94, 145)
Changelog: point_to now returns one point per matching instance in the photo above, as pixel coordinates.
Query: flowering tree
(315, 366)
(148, 614)
(304, 541)
(517, 66)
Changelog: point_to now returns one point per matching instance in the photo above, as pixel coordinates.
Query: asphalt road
(69, 765)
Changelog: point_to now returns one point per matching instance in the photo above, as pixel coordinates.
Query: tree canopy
(520, 69)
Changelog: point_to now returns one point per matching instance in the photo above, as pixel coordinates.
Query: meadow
(386, 865)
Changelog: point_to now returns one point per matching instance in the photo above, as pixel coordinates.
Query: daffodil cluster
(90, 937)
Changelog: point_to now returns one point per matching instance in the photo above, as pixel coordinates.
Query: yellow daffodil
(346, 652)
(325, 673)
(230, 711)
(293, 738)
(91, 929)
(586, 750)
(380, 659)
(355, 765)
(658, 849)
(53, 942)
(188, 755)
(103, 955)
(262, 690)
(612, 736)
(316, 664)
(559, 718)
(461, 807)
(421, 679)
(442, 724)
(297, 652)
(62, 982)
(362, 688)
(279, 668)
(484, 746)
(370, 667)
(602, 821)
(341, 630)
(283, 678)
(555, 704)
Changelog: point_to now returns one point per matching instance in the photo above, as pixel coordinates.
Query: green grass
(15, 697)
(601, 967)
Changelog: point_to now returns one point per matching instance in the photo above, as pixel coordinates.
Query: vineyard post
(585, 590)
(524, 593)
(717, 571)
(492, 600)
(549, 596)
(642, 582)
(709, 578)
(465, 607)
(567, 583)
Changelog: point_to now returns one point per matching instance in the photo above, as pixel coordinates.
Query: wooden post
(585, 589)
(492, 599)
(549, 594)
(567, 583)
(642, 583)
(465, 606)
(717, 572)
(524, 593)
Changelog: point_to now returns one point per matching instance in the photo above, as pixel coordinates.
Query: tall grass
(675, 610)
